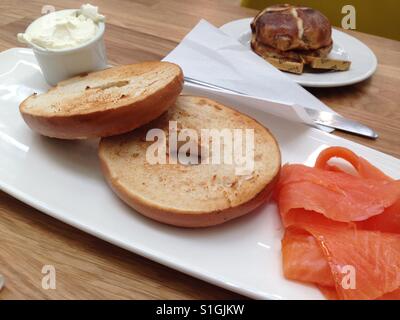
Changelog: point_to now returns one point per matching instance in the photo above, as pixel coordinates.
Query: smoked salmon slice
(342, 230)
(337, 195)
(363, 167)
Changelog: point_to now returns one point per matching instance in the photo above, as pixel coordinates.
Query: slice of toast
(328, 64)
(191, 195)
(286, 65)
(104, 103)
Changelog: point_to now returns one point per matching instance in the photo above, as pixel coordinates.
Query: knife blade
(332, 120)
(322, 118)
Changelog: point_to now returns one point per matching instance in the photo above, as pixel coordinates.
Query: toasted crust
(198, 195)
(104, 103)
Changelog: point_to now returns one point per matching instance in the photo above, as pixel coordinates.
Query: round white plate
(363, 60)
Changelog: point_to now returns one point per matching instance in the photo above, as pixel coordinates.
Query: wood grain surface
(89, 268)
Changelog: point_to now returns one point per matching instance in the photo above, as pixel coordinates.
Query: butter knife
(322, 118)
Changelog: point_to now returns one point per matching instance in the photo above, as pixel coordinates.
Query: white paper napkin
(208, 54)
(289, 112)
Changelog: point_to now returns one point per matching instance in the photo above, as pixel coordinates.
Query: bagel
(104, 103)
(190, 195)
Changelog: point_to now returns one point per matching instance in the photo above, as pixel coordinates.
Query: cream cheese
(65, 29)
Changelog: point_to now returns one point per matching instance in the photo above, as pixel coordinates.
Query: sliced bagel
(104, 103)
(191, 195)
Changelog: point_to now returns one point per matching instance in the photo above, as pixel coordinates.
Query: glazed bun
(287, 27)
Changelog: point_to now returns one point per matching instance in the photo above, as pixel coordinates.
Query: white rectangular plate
(63, 179)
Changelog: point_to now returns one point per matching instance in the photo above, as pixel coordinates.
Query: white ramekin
(62, 64)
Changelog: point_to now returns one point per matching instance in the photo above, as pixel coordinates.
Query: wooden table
(89, 268)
